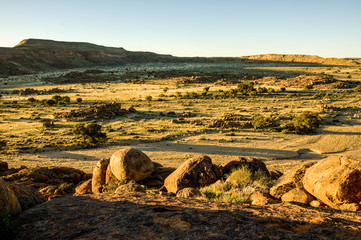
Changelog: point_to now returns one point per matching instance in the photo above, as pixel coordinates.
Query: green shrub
(79, 100)
(32, 100)
(308, 86)
(306, 122)
(148, 98)
(90, 135)
(238, 187)
(261, 122)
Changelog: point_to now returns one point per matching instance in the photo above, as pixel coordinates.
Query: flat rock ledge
(131, 215)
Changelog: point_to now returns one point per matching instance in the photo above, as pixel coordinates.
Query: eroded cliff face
(33, 55)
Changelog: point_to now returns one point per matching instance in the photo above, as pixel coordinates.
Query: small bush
(238, 187)
(148, 98)
(90, 135)
(306, 122)
(308, 86)
(79, 100)
(32, 100)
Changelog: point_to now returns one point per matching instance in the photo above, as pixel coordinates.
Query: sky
(209, 28)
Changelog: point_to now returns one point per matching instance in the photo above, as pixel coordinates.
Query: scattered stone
(130, 164)
(290, 180)
(8, 200)
(261, 199)
(97, 111)
(189, 192)
(130, 187)
(196, 172)
(99, 173)
(84, 188)
(298, 195)
(335, 181)
(316, 204)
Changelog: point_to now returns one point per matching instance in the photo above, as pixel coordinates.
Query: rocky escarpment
(34, 55)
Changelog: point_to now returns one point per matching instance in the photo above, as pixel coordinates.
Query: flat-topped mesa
(301, 59)
(61, 45)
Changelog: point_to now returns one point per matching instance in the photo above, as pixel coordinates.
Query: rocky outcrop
(134, 215)
(290, 180)
(8, 200)
(189, 193)
(196, 172)
(335, 181)
(99, 176)
(84, 188)
(130, 164)
(27, 196)
(130, 187)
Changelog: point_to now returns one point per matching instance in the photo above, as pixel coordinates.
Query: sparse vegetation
(238, 187)
(90, 134)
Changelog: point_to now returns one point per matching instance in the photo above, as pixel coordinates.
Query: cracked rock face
(130, 215)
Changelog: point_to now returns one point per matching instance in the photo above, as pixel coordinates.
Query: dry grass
(171, 140)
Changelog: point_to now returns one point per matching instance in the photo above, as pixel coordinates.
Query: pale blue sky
(191, 27)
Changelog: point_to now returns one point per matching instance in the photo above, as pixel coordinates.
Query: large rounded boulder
(130, 164)
(335, 181)
(196, 172)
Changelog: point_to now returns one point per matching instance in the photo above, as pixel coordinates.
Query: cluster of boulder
(231, 120)
(333, 182)
(130, 168)
(32, 91)
(96, 111)
(23, 188)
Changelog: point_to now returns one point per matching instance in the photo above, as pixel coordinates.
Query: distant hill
(301, 59)
(36, 55)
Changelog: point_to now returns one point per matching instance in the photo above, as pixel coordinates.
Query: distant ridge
(38, 55)
(301, 58)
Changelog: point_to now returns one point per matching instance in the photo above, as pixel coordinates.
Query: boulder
(290, 180)
(98, 179)
(298, 195)
(130, 187)
(251, 163)
(189, 192)
(261, 199)
(27, 196)
(335, 181)
(196, 172)
(84, 188)
(8, 201)
(130, 164)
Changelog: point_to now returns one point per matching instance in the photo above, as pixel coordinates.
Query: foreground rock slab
(148, 216)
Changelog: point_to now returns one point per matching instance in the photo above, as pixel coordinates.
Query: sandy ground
(279, 151)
